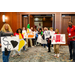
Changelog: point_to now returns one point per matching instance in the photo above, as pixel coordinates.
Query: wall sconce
(3, 18)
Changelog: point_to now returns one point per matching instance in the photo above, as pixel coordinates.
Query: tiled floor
(40, 54)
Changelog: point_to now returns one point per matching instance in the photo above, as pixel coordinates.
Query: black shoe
(49, 51)
(70, 59)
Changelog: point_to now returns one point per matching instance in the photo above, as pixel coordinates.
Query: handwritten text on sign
(29, 35)
(47, 34)
(58, 39)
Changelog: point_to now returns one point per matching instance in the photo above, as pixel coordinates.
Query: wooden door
(65, 21)
(25, 22)
(31, 21)
(73, 19)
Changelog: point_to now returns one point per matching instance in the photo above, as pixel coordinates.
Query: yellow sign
(21, 44)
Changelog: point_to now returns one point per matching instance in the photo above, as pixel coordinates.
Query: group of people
(39, 35)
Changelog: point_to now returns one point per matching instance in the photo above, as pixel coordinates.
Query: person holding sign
(52, 33)
(19, 33)
(29, 31)
(56, 46)
(24, 34)
(6, 31)
(71, 39)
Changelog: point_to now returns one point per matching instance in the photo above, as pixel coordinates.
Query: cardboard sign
(21, 44)
(47, 34)
(40, 40)
(30, 35)
(58, 39)
(11, 43)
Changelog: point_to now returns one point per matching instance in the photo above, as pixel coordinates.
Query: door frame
(20, 15)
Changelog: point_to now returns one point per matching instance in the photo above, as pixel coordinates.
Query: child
(36, 36)
(41, 38)
(24, 34)
(18, 32)
(52, 33)
(56, 46)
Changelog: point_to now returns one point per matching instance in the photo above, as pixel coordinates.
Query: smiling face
(19, 31)
(57, 31)
(6, 27)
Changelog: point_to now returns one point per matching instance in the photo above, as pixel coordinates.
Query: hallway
(40, 54)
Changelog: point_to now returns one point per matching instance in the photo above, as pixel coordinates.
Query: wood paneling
(31, 21)
(11, 20)
(73, 19)
(15, 19)
(25, 22)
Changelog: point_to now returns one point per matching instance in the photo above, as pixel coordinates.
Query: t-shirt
(24, 33)
(52, 33)
(71, 32)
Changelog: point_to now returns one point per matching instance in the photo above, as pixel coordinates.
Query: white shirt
(24, 33)
(52, 33)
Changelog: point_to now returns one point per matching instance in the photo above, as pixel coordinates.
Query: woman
(6, 31)
(56, 46)
(19, 33)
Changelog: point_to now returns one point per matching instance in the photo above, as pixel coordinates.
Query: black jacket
(4, 34)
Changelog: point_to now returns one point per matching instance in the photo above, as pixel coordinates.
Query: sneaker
(55, 55)
(47, 47)
(32, 46)
(52, 47)
(25, 50)
(26, 47)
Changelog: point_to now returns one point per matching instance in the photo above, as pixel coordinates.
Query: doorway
(25, 21)
(65, 20)
(43, 20)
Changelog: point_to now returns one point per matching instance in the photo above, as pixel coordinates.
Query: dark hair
(19, 29)
(40, 29)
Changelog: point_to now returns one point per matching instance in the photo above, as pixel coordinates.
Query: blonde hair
(9, 28)
(51, 28)
(57, 31)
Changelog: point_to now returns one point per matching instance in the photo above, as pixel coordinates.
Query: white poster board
(58, 39)
(47, 34)
(11, 43)
(30, 35)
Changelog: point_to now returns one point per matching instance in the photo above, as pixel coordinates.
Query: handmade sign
(21, 44)
(11, 43)
(30, 35)
(58, 39)
(47, 34)
(40, 40)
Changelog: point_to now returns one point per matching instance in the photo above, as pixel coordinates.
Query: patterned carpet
(40, 54)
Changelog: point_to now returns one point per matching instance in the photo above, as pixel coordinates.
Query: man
(29, 31)
(71, 37)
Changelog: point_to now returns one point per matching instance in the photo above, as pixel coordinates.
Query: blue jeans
(72, 47)
(24, 46)
(5, 57)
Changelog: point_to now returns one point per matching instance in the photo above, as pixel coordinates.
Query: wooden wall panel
(11, 19)
(1, 23)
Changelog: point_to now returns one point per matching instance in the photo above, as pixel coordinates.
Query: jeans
(5, 57)
(72, 48)
(24, 46)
